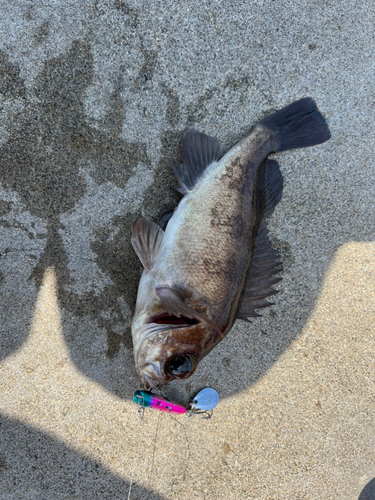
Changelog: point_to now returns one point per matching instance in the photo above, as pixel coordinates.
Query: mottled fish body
(213, 264)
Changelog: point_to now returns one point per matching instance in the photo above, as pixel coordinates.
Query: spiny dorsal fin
(198, 152)
(173, 302)
(147, 240)
(260, 276)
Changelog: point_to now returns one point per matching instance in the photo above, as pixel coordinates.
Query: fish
(213, 263)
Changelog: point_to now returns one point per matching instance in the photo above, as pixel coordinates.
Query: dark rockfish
(214, 263)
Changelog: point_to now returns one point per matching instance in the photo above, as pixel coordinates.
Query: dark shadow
(34, 465)
(368, 492)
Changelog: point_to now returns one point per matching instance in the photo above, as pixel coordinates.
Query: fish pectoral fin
(260, 277)
(173, 302)
(198, 152)
(147, 240)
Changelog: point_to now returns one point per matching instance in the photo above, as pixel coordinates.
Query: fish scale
(220, 210)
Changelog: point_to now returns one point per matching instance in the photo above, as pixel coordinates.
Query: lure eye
(181, 366)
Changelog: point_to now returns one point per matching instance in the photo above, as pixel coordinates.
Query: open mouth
(170, 319)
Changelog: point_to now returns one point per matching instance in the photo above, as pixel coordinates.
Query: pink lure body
(147, 399)
(162, 404)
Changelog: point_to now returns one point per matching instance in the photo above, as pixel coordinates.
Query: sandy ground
(94, 99)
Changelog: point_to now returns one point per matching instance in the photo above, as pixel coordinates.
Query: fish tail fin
(298, 125)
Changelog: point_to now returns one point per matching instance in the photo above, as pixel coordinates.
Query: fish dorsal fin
(266, 263)
(173, 302)
(198, 152)
(147, 240)
(260, 276)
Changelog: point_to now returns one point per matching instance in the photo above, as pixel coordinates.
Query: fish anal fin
(147, 240)
(198, 152)
(260, 277)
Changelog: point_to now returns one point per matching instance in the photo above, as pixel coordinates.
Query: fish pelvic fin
(173, 302)
(199, 151)
(298, 125)
(147, 240)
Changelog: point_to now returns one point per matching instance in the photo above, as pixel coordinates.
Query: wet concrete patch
(116, 257)
(129, 12)
(41, 33)
(49, 142)
(52, 137)
(11, 85)
(147, 71)
(162, 195)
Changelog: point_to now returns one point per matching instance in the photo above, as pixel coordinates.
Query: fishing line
(131, 482)
(200, 405)
(140, 413)
(153, 455)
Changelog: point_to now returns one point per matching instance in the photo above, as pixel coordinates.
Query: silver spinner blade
(206, 399)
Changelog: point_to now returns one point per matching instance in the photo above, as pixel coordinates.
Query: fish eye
(181, 366)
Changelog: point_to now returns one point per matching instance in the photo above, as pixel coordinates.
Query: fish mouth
(151, 374)
(149, 383)
(172, 320)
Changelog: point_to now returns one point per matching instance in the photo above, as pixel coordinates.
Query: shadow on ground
(368, 492)
(34, 465)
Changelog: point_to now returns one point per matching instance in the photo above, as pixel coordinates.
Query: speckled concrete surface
(94, 99)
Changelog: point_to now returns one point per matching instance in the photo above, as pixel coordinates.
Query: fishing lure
(147, 399)
(202, 404)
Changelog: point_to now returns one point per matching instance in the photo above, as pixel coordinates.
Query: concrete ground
(94, 99)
